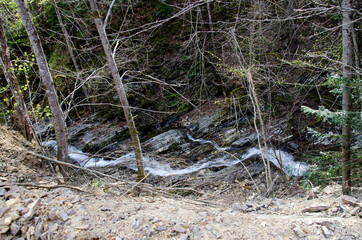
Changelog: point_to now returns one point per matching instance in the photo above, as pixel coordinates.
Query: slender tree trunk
(20, 117)
(120, 90)
(347, 59)
(66, 36)
(70, 49)
(20, 106)
(59, 125)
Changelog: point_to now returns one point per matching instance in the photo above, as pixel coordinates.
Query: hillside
(165, 119)
(37, 205)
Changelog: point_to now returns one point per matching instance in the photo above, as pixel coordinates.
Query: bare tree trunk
(347, 59)
(20, 117)
(59, 125)
(120, 90)
(66, 35)
(70, 49)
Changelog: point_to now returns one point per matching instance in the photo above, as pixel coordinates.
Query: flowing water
(221, 158)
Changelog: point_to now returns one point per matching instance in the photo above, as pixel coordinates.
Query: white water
(289, 166)
(203, 141)
(281, 159)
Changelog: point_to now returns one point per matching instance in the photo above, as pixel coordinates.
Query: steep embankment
(34, 206)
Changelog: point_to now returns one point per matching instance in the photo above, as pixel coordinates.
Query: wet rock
(292, 146)
(211, 124)
(246, 139)
(200, 151)
(14, 229)
(165, 141)
(230, 135)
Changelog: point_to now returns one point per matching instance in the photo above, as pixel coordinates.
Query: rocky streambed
(207, 142)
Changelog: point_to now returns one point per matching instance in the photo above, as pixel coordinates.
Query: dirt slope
(33, 206)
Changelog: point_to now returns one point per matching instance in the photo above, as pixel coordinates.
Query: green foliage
(326, 115)
(22, 66)
(335, 82)
(41, 112)
(164, 9)
(100, 184)
(173, 100)
(322, 168)
(325, 167)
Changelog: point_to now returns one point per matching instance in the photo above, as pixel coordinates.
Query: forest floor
(36, 204)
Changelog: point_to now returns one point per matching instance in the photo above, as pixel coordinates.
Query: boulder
(167, 141)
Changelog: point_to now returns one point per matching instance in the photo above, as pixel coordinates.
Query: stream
(220, 158)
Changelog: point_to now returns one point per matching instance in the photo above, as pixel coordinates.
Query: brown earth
(36, 204)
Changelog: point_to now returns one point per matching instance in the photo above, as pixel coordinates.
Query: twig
(246, 169)
(42, 186)
(271, 186)
(138, 183)
(143, 186)
(312, 189)
(75, 166)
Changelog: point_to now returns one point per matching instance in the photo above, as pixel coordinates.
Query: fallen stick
(144, 186)
(75, 166)
(138, 183)
(42, 186)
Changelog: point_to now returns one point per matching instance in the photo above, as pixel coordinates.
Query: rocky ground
(35, 203)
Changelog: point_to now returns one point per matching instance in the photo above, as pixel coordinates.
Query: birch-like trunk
(59, 125)
(20, 117)
(120, 90)
(347, 59)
